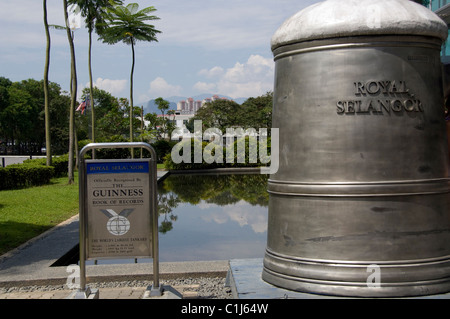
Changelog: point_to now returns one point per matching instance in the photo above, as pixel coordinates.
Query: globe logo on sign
(118, 224)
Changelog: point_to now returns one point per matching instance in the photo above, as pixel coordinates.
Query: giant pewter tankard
(360, 205)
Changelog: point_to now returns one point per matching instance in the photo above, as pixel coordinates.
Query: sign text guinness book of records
(118, 209)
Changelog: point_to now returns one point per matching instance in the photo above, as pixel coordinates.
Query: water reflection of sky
(222, 225)
(210, 217)
(211, 232)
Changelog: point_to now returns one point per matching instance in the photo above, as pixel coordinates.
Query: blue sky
(206, 46)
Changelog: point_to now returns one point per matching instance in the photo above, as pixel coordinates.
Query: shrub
(171, 165)
(25, 175)
(208, 154)
(32, 172)
(162, 148)
(60, 164)
(83, 143)
(109, 153)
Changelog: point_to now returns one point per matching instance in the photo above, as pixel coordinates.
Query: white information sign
(118, 209)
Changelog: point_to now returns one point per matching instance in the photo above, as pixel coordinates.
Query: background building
(442, 9)
(191, 106)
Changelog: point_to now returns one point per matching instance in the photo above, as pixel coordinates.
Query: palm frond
(57, 27)
(128, 25)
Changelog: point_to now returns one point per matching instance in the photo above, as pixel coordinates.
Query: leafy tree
(127, 24)
(221, 114)
(152, 118)
(151, 130)
(190, 125)
(103, 101)
(4, 102)
(22, 115)
(170, 124)
(114, 122)
(163, 106)
(257, 112)
(59, 117)
(17, 116)
(4, 85)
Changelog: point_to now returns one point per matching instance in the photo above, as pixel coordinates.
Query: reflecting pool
(212, 217)
(208, 217)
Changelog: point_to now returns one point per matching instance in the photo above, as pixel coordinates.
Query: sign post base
(88, 293)
(162, 292)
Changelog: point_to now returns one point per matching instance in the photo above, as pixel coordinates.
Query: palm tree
(128, 25)
(171, 124)
(163, 105)
(93, 11)
(46, 94)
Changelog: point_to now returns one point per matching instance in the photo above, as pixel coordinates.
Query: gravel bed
(208, 288)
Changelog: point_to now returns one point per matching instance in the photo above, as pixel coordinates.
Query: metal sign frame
(84, 291)
(118, 209)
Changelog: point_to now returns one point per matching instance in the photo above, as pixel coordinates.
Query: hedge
(59, 163)
(32, 173)
(208, 161)
(161, 147)
(20, 175)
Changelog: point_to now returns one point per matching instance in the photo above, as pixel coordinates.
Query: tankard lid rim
(337, 18)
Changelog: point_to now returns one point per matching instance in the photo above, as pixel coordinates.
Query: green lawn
(26, 213)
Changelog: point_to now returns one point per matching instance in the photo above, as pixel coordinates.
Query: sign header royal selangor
(118, 167)
(118, 209)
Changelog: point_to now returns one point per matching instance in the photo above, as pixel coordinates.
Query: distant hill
(151, 107)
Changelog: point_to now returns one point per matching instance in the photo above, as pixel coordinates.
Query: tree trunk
(142, 126)
(46, 97)
(131, 97)
(91, 93)
(73, 94)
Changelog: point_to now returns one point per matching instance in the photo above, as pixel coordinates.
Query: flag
(81, 107)
(74, 17)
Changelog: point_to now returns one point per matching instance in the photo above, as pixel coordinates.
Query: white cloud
(249, 79)
(115, 87)
(258, 63)
(216, 25)
(235, 74)
(205, 87)
(142, 98)
(160, 87)
(241, 214)
(212, 73)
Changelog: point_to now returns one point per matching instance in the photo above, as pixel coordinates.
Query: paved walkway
(110, 293)
(187, 292)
